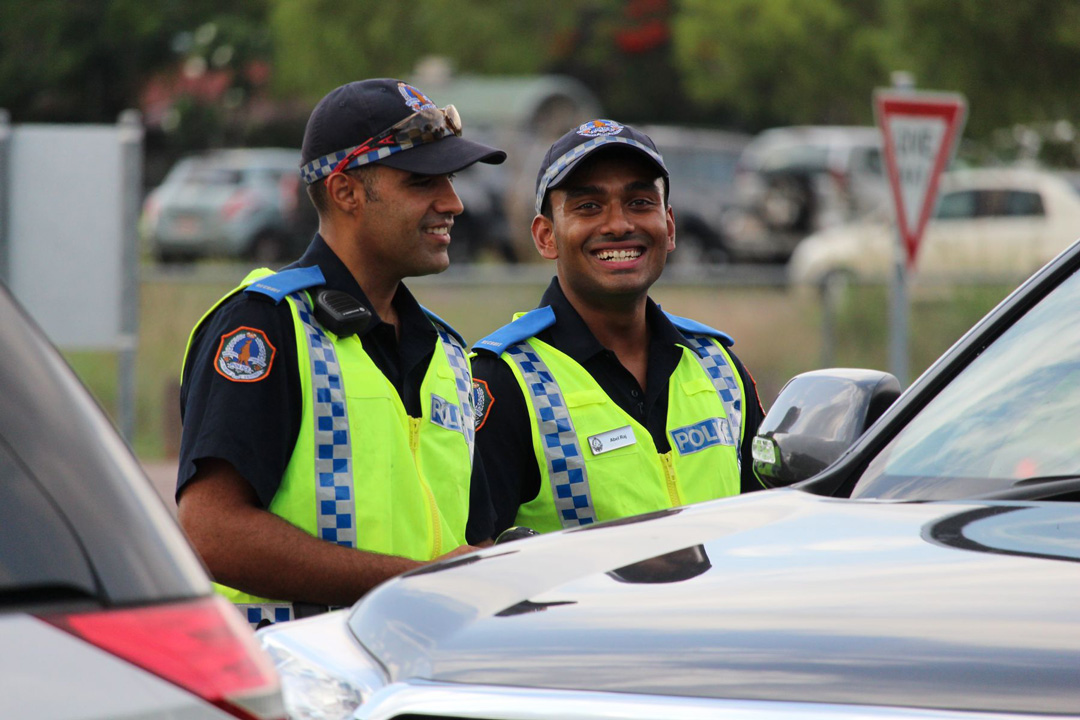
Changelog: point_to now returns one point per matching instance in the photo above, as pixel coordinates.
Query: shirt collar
(572, 336)
(338, 277)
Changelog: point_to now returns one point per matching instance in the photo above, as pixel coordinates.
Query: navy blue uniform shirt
(254, 425)
(504, 432)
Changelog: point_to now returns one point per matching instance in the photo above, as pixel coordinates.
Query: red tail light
(202, 646)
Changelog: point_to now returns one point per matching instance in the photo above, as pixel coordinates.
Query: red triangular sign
(919, 132)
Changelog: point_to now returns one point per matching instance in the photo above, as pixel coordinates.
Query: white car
(989, 223)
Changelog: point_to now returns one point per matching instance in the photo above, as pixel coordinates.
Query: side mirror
(815, 418)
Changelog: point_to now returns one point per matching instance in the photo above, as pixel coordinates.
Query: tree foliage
(321, 44)
(775, 62)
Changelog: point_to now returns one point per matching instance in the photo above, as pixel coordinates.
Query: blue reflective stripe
(459, 363)
(696, 328)
(562, 452)
(715, 364)
(255, 613)
(521, 329)
(335, 504)
(287, 282)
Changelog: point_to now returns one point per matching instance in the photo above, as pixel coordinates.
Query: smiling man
(328, 426)
(598, 405)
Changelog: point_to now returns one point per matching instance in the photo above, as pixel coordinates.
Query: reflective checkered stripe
(716, 365)
(459, 363)
(334, 494)
(561, 163)
(274, 612)
(319, 168)
(562, 451)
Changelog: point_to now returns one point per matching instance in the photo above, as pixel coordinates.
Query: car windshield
(1010, 415)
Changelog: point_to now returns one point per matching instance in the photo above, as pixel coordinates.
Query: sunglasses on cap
(424, 126)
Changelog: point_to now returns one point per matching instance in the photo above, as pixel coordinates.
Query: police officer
(598, 405)
(327, 420)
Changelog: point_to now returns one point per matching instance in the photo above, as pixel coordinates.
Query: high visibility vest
(363, 473)
(596, 461)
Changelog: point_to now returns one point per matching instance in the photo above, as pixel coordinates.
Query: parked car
(105, 611)
(997, 223)
(702, 163)
(240, 203)
(918, 558)
(793, 181)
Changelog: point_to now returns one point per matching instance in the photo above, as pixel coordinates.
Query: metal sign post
(919, 133)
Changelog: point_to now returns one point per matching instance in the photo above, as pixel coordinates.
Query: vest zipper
(436, 520)
(670, 479)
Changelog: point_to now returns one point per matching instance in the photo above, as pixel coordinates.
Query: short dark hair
(321, 200)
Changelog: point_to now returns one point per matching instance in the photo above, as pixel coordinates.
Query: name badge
(611, 440)
(445, 414)
(705, 434)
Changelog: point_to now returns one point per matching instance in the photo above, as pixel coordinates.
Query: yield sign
(919, 132)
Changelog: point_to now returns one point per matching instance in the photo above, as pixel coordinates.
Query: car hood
(776, 595)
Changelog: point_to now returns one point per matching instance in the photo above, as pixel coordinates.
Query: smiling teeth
(619, 254)
(443, 230)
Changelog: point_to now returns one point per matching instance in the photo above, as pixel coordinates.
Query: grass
(778, 333)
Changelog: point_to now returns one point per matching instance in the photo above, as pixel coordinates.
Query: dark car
(923, 563)
(105, 612)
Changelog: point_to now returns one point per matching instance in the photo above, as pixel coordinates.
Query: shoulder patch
(283, 283)
(520, 329)
(244, 355)
(482, 401)
(693, 326)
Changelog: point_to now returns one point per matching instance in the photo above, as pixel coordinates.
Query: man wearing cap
(328, 425)
(598, 405)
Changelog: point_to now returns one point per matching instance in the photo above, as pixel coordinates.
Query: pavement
(162, 474)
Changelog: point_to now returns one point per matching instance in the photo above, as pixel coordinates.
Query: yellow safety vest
(598, 463)
(364, 473)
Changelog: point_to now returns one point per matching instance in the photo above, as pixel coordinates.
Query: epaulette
(446, 326)
(520, 329)
(286, 282)
(693, 326)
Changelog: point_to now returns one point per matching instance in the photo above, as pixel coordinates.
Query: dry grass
(777, 332)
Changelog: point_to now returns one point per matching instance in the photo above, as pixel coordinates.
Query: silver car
(238, 203)
(105, 612)
(923, 565)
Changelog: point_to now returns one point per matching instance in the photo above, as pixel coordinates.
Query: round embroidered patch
(245, 355)
(415, 99)
(482, 402)
(596, 128)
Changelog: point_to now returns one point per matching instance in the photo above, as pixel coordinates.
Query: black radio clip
(341, 313)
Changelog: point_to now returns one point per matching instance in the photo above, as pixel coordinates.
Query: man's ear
(670, 229)
(543, 233)
(341, 191)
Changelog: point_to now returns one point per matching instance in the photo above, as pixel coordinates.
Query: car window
(1011, 414)
(1013, 203)
(40, 560)
(960, 205)
(211, 175)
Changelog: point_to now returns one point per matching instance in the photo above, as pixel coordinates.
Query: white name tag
(611, 440)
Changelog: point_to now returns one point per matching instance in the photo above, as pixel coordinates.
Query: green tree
(779, 62)
(62, 60)
(321, 45)
(1014, 61)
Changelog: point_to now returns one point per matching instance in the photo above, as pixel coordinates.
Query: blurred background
(762, 109)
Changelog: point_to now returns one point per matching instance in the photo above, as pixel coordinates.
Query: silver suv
(793, 181)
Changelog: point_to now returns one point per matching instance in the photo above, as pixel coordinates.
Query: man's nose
(448, 200)
(616, 221)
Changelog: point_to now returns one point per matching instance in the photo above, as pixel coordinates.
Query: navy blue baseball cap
(567, 152)
(391, 123)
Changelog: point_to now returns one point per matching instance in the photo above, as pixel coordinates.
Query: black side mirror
(815, 418)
